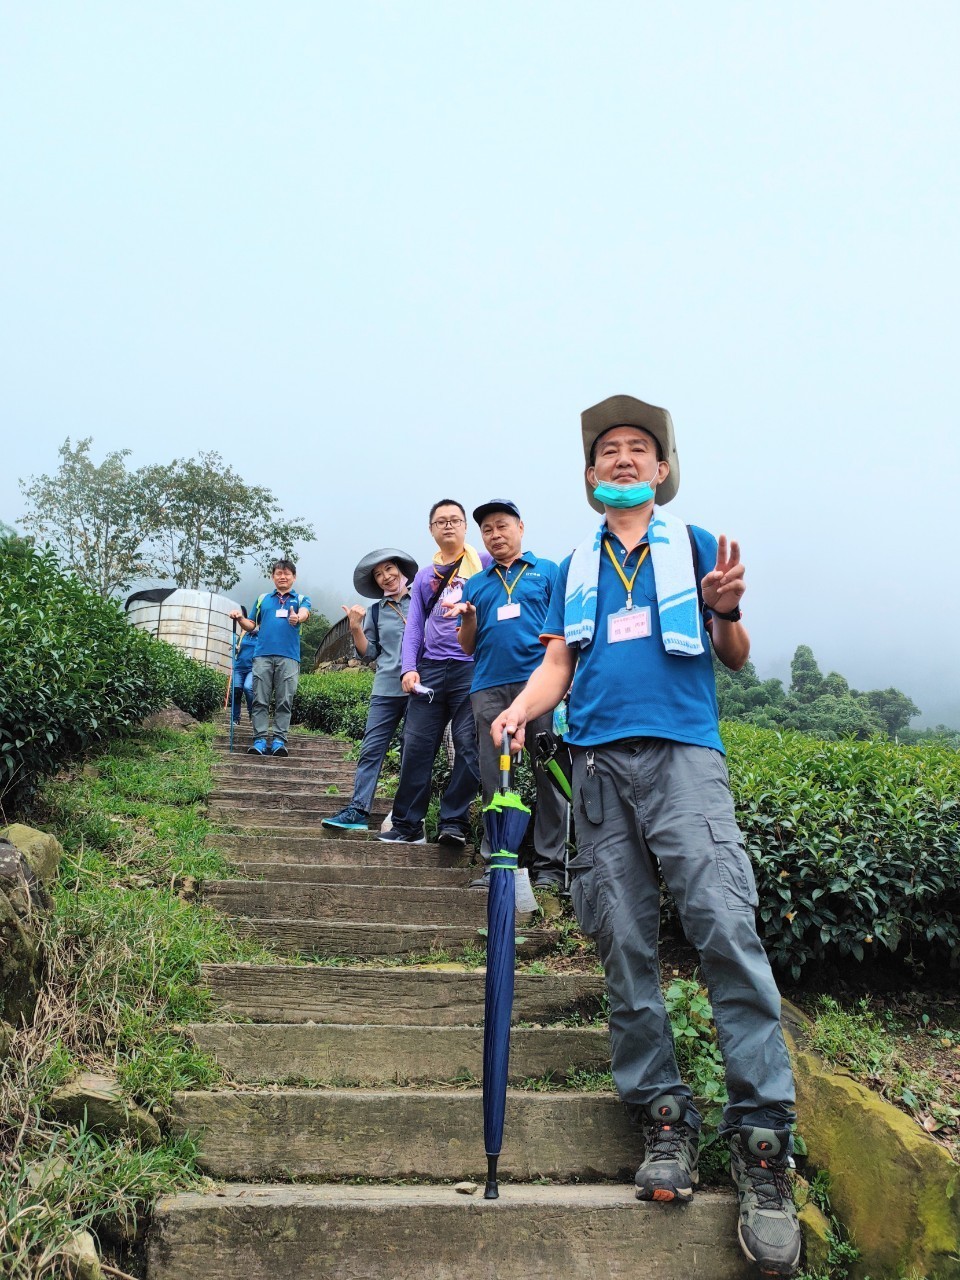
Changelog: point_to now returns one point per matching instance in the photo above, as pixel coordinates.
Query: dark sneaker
(258, 747)
(481, 882)
(453, 837)
(544, 880)
(348, 819)
(393, 836)
(768, 1229)
(278, 748)
(669, 1169)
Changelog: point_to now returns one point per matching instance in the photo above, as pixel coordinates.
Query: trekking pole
(232, 690)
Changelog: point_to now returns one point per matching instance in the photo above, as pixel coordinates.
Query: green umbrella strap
(503, 860)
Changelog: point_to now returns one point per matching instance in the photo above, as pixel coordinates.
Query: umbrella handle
(505, 762)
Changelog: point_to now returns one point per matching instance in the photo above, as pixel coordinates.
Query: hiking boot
(393, 836)
(768, 1228)
(545, 880)
(669, 1169)
(258, 747)
(278, 748)
(453, 837)
(349, 818)
(481, 882)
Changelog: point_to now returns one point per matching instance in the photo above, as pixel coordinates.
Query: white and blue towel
(673, 573)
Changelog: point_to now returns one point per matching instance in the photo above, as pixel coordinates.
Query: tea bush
(334, 701)
(74, 672)
(855, 844)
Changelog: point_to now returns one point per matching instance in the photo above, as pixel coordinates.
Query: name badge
(628, 624)
(283, 613)
(507, 611)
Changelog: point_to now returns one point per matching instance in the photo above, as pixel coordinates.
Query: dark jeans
(383, 717)
(242, 690)
(450, 680)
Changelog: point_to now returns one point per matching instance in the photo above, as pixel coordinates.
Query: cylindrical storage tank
(194, 621)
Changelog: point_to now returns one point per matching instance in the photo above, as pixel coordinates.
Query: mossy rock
(42, 851)
(896, 1192)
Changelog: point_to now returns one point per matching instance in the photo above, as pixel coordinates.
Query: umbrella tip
(491, 1191)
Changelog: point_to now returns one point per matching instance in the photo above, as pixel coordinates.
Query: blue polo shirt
(635, 689)
(508, 649)
(277, 639)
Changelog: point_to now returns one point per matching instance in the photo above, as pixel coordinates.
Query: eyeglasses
(450, 522)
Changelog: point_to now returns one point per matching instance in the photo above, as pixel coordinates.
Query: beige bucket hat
(363, 579)
(625, 411)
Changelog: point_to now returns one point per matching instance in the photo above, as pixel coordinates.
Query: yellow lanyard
(509, 589)
(627, 582)
(396, 610)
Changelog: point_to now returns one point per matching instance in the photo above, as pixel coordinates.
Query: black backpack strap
(375, 619)
(696, 566)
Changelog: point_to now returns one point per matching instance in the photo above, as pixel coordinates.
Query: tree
(211, 521)
(806, 680)
(894, 708)
(97, 519)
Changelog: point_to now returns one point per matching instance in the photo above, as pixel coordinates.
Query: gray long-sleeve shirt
(386, 682)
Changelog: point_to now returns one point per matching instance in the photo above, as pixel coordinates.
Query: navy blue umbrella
(232, 686)
(505, 819)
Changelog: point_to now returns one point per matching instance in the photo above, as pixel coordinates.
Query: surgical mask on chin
(625, 495)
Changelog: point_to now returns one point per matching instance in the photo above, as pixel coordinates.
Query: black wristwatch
(733, 616)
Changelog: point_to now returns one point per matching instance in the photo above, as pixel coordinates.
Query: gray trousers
(670, 803)
(274, 677)
(550, 822)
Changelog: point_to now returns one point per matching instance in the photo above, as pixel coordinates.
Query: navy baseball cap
(496, 504)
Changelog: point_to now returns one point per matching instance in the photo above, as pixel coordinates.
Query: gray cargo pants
(670, 803)
(277, 678)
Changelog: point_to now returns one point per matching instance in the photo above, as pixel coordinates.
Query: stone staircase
(353, 1103)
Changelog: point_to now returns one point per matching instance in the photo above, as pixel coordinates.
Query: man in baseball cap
(501, 615)
(637, 608)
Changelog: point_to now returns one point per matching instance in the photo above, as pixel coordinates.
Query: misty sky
(379, 254)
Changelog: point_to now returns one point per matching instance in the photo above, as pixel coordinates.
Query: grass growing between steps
(123, 949)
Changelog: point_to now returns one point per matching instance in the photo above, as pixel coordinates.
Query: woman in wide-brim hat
(377, 632)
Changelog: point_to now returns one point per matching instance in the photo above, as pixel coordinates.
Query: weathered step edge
(406, 1233)
(375, 941)
(363, 1055)
(334, 1134)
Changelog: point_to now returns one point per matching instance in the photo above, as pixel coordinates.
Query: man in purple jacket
(438, 674)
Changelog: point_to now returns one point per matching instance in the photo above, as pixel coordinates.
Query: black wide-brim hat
(363, 580)
(625, 411)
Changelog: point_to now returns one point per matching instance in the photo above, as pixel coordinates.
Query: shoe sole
(383, 840)
(345, 826)
(666, 1195)
(454, 842)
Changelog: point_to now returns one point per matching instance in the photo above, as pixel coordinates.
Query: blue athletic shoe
(278, 748)
(350, 818)
(258, 747)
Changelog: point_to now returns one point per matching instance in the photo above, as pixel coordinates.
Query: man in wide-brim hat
(637, 607)
(377, 633)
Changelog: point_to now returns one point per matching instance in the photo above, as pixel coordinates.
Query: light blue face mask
(626, 495)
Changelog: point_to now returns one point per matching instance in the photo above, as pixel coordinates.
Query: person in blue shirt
(638, 605)
(242, 680)
(502, 613)
(276, 663)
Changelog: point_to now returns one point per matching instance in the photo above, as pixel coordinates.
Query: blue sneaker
(278, 748)
(348, 819)
(258, 747)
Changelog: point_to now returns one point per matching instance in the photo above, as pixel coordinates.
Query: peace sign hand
(723, 586)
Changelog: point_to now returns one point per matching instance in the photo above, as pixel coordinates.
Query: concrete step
(300, 746)
(279, 817)
(313, 800)
(262, 777)
(277, 1133)
(371, 941)
(285, 1232)
(407, 997)
(264, 1053)
(322, 845)
(395, 904)
(360, 873)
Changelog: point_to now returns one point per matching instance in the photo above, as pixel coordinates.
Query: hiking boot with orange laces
(669, 1169)
(768, 1229)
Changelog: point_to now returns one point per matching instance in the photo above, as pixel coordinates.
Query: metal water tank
(194, 621)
